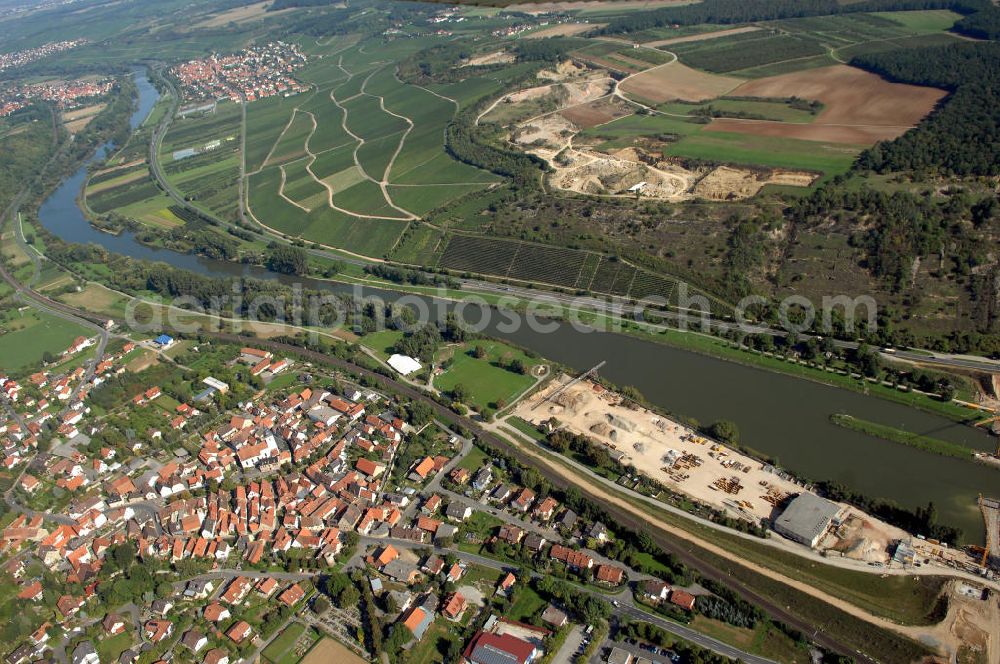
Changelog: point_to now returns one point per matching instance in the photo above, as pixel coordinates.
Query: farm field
(328, 650)
(773, 47)
(858, 107)
(678, 81)
(200, 157)
(28, 335)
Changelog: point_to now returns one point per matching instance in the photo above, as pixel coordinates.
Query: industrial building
(806, 518)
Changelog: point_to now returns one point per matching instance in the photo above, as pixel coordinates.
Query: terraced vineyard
(362, 150)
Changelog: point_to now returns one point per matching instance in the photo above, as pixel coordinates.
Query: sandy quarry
(680, 458)
(563, 70)
(729, 183)
(495, 58)
(582, 101)
(596, 173)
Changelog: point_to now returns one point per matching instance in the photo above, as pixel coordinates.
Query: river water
(784, 417)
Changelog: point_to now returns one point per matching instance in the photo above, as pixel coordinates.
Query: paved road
(626, 605)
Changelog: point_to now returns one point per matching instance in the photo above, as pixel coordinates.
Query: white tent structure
(404, 364)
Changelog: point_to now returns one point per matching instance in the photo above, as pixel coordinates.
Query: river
(784, 417)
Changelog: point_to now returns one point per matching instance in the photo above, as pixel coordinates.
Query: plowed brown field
(860, 108)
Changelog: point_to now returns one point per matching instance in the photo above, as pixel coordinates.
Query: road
(626, 605)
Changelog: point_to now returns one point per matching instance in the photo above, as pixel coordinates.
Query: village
(255, 73)
(27, 56)
(197, 502)
(65, 95)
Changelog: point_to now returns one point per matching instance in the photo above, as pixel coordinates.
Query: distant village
(27, 56)
(255, 73)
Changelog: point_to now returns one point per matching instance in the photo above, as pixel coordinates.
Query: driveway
(569, 646)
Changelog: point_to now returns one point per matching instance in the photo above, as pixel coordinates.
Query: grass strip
(894, 435)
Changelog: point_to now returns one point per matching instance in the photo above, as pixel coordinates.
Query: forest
(748, 11)
(959, 138)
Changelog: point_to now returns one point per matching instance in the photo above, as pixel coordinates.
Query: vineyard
(569, 268)
(800, 43)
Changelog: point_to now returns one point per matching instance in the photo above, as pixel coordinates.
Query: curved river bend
(784, 417)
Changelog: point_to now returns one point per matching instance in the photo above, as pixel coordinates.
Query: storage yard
(705, 470)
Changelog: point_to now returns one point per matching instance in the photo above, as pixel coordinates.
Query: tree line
(748, 11)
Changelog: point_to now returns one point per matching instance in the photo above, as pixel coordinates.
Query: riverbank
(894, 435)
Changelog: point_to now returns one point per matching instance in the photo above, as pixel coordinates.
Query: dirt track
(702, 36)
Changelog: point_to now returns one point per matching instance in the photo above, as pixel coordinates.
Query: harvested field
(859, 107)
(846, 134)
(729, 183)
(678, 81)
(328, 650)
(240, 15)
(594, 5)
(702, 36)
(596, 112)
(77, 120)
(608, 63)
(564, 30)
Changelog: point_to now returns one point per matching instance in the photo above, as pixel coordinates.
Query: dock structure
(584, 376)
(990, 508)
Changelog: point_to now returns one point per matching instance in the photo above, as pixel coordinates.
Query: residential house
(194, 640)
(577, 560)
(113, 624)
(157, 629)
(610, 574)
(457, 510)
(682, 599)
(524, 499)
(554, 617)
(454, 606)
(417, 620)
(239, 631)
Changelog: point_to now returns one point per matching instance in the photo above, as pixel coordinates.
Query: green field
(382, 341)
(722, 147)
(28, 335)
(527, 603)
(487, 380)
(282, 649)
(780, 111)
